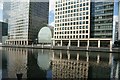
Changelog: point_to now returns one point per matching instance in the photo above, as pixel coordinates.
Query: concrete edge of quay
(71, 48)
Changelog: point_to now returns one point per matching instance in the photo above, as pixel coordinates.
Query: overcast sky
(1, 8)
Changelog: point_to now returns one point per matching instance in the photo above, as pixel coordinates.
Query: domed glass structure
(44, 36)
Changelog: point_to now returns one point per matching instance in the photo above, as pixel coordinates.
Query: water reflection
(16, 62)
(0, 63)
(39, 63)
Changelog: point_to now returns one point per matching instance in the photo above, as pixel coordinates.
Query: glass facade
(38, 17)
(3, 30)
(102, 19)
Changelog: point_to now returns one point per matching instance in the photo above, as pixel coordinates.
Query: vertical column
(87, 44)
(78, 43)
(69, 43)
(117, 71)
(110, 45)
(61, 42)
(110, 58)
(60, 55)
(87, 57)
(26, 42)
(53, 43)
(77, 56)
(98, 43)
(68, 54)
(98, 58)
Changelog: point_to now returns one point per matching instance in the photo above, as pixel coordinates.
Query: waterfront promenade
(96, 49)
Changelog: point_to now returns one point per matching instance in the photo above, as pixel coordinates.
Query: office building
(119, 22)
(102, 19)
(6, 11)
(26, 19)
(3, 31)
(72, 20)
(83, 22)
(0, 33)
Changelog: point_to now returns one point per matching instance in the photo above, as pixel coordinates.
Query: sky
(1, 8)
(51, 12)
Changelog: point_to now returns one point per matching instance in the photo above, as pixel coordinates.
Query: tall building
(72, 20)
(119, 22)
(3, 30)
(0, 33)
(26, 20)
(102, 19)
(83, 23)
(6, 11)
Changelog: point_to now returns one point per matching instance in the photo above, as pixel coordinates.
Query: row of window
(83, 11)
(72, 6)
(103, 22)
(104, 12)
(72, 28)
(73, 32)
(70, 2)
(70, 18)
(104, 17)
(103, 31)
(103, 27)
(71, 23)
(103, 7)
(71, 37)
(104, 2)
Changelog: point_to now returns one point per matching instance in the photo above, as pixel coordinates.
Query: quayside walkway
(101, 49)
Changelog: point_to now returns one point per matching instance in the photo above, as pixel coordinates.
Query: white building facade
(26, 19)
(73, 24)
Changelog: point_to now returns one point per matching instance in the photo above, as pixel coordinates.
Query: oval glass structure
(44, 36)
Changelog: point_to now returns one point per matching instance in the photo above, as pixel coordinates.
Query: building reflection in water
(31, 63)
(16, 62)
(67, 68)
(39, 63)
(84, 65)
(0, 63)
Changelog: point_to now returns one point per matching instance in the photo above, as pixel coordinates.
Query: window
(86, 8)
(86, 13)
(86, 22)
(86, 17)
(86, 36)
(80, 5)
(86, 31)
